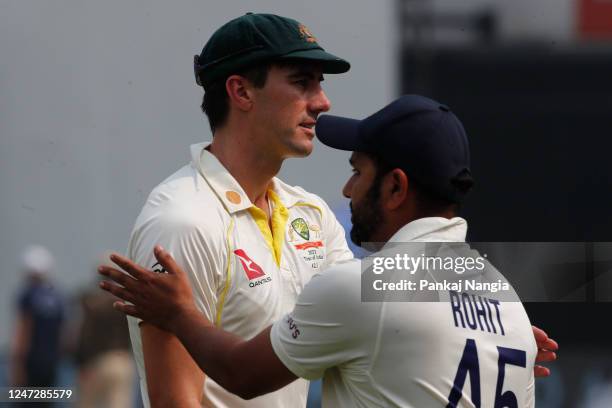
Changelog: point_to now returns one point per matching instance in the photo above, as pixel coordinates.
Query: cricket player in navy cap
(411, 170)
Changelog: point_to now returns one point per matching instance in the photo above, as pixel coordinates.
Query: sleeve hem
(282, 355)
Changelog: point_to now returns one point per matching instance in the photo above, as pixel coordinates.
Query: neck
(248, 163)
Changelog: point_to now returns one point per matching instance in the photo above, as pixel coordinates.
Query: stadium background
(98, 104)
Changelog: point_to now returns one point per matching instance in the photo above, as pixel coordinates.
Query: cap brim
(329, 62)
(339, 133)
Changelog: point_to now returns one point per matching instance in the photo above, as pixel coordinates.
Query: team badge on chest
(300, 226)
(300, 234)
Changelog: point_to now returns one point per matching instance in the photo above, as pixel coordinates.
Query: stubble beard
(367, 216)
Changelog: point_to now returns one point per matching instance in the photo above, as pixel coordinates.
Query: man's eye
(302, 82)
(355, 172)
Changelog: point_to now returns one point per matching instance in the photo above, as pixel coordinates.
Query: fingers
(130, 267)
(543, 341)
(166, 260)
(546, 351)
(127, 309)
(549, 344)
(117, 290)
(121, 278)
(539, 334)
(540, 371)
(544, 356)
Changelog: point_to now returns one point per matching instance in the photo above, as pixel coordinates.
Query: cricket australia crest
(300, 226)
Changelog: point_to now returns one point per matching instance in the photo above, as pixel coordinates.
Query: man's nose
(346, 190)
(320, 102)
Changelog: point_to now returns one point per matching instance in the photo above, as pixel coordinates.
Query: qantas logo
(252, 270)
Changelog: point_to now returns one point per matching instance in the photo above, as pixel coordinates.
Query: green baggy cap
(257, 38)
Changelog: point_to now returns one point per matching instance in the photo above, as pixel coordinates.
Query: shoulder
(299, 196)
(332, 298)
(186, 187)
(338, 285)
(184, 200)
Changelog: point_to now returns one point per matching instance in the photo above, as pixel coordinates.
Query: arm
(19, 346)
(173, 378)
(167, 300)
(237, 365)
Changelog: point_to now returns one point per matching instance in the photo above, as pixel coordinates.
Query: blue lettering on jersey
(475, 310)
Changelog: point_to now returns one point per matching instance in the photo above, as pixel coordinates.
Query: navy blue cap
(413, 133)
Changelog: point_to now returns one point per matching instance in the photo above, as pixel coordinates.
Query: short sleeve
(328, 326)
(198, 249)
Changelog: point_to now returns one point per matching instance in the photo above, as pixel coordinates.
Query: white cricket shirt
(245, 275)
(404, 354)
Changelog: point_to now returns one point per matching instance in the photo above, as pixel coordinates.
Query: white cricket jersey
(245, 275)
(406, 354)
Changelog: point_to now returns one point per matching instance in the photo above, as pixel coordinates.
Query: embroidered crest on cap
(306, 34)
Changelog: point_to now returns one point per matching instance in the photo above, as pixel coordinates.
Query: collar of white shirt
(228, 190)
(432, 229)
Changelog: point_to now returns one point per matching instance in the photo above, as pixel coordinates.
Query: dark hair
(215, 101)
(429, 203)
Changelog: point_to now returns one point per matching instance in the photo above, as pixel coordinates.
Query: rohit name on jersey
(306, 239)
(476, 312)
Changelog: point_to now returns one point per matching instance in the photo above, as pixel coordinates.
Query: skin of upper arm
(255, 360)
(173, 378)
(21, 338)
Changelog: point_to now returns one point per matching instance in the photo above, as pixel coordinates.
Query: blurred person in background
(35, 347)
(103, 357)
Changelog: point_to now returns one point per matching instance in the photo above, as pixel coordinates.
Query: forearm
(212, 349)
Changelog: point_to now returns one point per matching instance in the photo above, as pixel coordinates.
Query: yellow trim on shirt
(310, 205)
(280, 214)
(275, 237)
(228, 275)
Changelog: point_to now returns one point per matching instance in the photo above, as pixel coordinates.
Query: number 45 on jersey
(469, 365)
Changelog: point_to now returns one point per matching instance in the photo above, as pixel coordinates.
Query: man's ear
(394, 189)
(239, 91)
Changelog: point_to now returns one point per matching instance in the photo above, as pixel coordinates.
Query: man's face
(286, 109)
(363, 188)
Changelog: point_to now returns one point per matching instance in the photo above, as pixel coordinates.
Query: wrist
(185, 320)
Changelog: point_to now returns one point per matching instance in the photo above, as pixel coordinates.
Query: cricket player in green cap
(248, 241)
